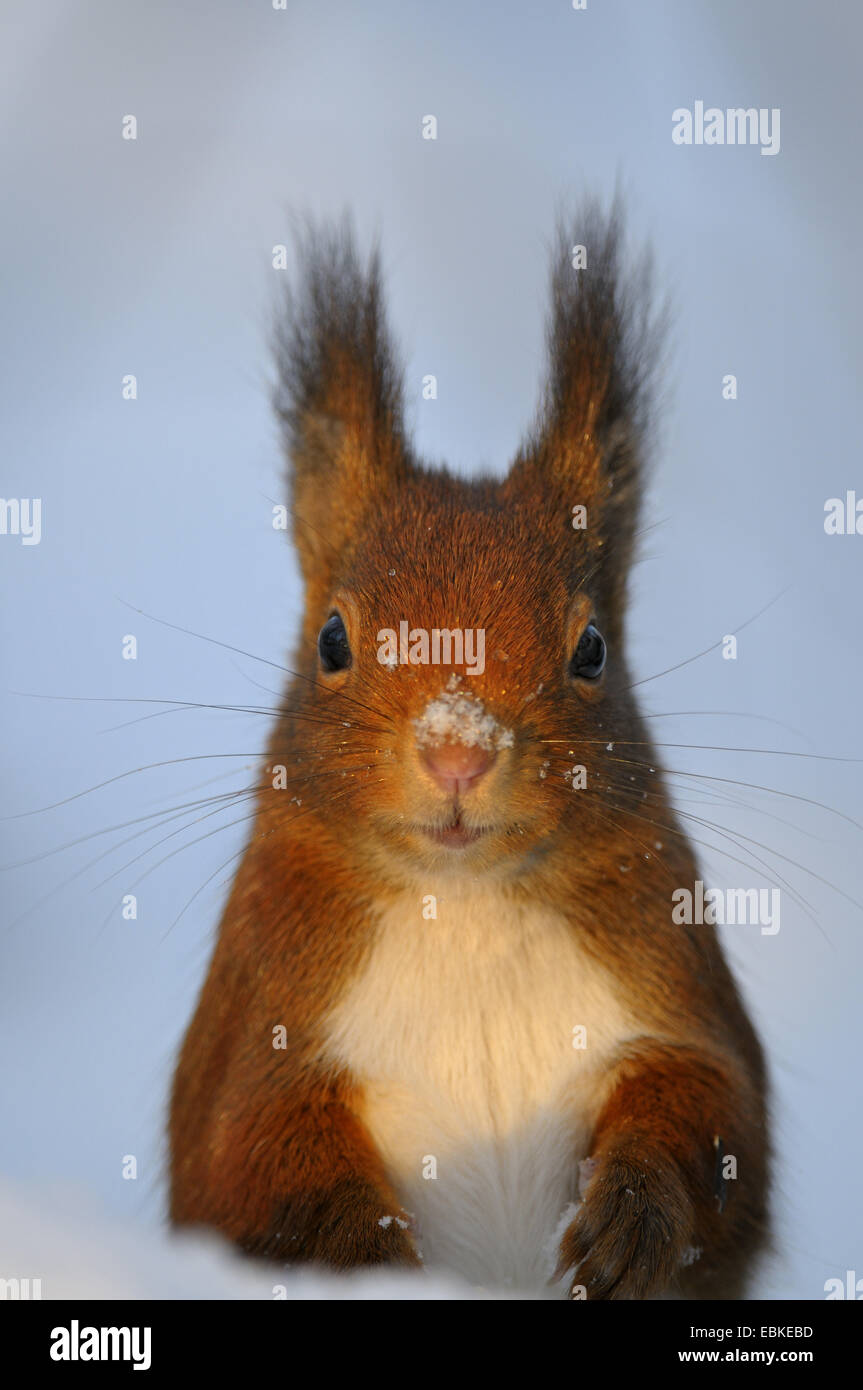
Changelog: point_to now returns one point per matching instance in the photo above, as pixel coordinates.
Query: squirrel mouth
(456, 835)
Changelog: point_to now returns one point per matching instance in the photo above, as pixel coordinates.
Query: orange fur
(270, 1146)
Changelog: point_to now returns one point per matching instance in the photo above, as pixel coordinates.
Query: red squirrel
(449, 1018)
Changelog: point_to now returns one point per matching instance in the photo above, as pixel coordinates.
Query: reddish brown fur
(269, 1145)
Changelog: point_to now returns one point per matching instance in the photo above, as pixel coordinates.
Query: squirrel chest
(480, 1041)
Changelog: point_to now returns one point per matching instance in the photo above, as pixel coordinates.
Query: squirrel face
(450, 765)
(461, 661)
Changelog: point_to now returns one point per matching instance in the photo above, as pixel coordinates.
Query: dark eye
(333, 646)
(588, 658)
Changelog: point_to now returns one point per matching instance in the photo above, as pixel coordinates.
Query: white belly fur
(460, 1031)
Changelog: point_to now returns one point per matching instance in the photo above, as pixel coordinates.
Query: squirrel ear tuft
(338, 395)
(593, 428)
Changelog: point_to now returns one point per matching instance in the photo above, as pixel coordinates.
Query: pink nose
(456, 767)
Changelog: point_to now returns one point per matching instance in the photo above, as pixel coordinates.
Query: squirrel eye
(588, 659)
(333, 646)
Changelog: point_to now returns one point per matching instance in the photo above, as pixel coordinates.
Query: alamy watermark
(850, 1287)
(738, 125)
(843, 516)
(18, 1289)
(449, 646)
(727, 907)
(77, 1343)
(21, 516)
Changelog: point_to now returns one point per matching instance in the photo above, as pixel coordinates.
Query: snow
(58, 1236)
(552, 1249)
(453, 717)
(386, 1221)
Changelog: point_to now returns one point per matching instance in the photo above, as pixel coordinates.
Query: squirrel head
(462, 642)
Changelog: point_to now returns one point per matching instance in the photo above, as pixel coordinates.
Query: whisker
(737, 836)
(669, 772)
(119, 777)
(239, 796)
(698, 655)
(650, 851)
(230, 860)
(239, 651)
(774, 791)
(110, 829)
(704, 747)
(248, 796)
(725, 714)
(730, 781)
(735, 840)
(159, 818)
(52, 893)
(312, 716)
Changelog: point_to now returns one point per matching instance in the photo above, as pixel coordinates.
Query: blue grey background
(153, 257)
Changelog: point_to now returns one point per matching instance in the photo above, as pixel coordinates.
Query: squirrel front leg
(295, 1178)
(659, 1209)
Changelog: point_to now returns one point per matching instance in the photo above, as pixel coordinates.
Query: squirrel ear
(592, 430)
(338, 397)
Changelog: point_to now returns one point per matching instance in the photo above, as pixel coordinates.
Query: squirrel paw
(387, 1239)
(356, 1227)
(631, 1232)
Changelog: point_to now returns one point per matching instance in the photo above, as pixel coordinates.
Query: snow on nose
(458, 739)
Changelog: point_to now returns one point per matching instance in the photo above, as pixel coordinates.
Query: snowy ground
(63, 1238)
(81, 1253)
